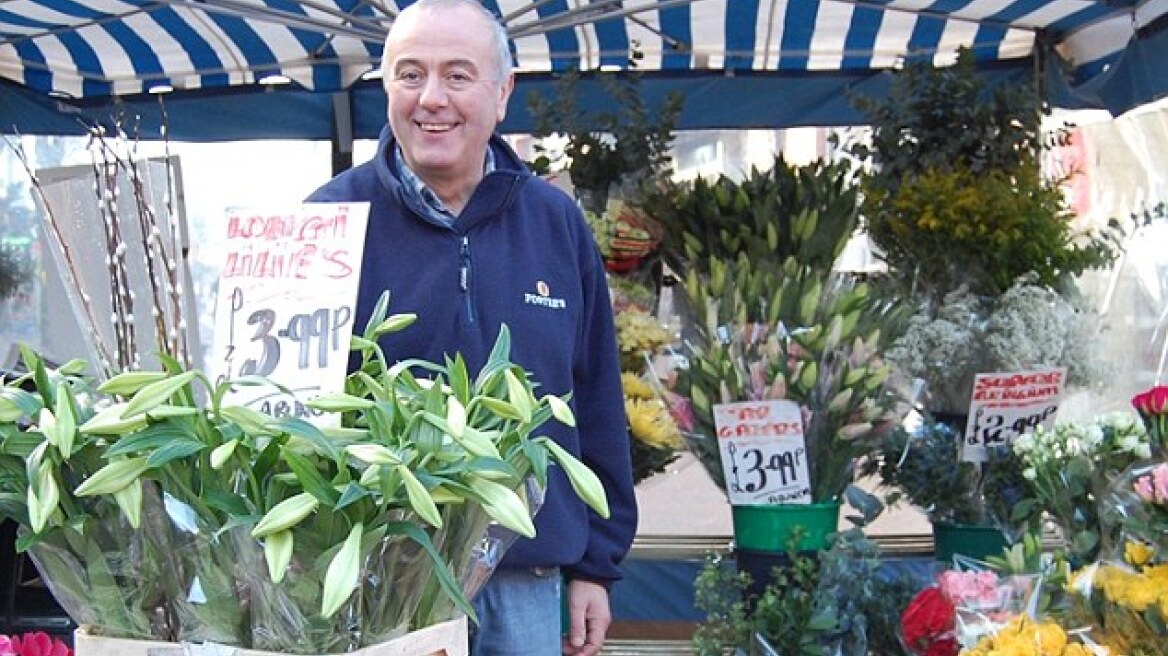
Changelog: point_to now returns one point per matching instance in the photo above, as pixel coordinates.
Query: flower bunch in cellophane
(1071, 466)
(152, 515)
(1124, 603)
(1124, 597)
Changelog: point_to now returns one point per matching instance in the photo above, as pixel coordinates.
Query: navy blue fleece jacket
(520, 253)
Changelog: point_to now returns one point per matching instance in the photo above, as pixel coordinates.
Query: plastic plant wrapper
(962, 605)
(1070, 469)
(104, 573)
(1045, 637)
(473, 566)
(1124, 605)
(231, 526)
(1124, 598)
(984, 602)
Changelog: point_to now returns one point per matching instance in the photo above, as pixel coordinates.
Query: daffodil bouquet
(153, 515)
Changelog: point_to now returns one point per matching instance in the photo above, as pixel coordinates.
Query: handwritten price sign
(1006, 405)
(285, 304)
(764, 456)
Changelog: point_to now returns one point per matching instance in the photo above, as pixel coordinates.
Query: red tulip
(40, 644)
(1153, 401)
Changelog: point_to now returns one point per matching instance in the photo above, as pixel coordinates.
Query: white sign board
(1006, 405)
(285, 304)
(764, 456)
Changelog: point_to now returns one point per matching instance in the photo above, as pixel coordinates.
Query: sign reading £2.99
(764, 455)
(1007, 404)
(285, 303)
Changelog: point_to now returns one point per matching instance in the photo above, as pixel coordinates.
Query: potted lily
(772, 326)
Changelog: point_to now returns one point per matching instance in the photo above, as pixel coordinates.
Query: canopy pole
(342, 132)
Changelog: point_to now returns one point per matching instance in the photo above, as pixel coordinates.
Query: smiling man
(464, 236)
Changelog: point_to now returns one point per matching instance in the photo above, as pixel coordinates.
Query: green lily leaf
(441, 570)
(310, 477)
(299, 428)
(16, 403)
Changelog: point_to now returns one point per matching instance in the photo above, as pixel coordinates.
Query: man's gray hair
(498, 32)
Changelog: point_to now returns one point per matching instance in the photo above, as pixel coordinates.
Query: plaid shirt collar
(416, 188)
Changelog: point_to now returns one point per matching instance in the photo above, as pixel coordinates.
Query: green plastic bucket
(970, 540)
(767, 527)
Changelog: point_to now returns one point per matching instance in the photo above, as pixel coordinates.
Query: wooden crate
(445, 639)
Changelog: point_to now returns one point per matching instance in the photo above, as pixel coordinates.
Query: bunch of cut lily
(154, 515)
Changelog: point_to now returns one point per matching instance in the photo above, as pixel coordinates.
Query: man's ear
(505, 90)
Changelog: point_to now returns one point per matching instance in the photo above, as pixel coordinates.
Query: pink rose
(1143, 488)
(681, 410)
(1160, 483)
(7, 647)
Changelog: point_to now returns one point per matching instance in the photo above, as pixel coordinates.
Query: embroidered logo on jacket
(543, 297)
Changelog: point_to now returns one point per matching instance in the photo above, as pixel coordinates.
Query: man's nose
(433, 92)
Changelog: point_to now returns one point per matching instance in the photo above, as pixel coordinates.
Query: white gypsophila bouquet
(1028, 327)
(1070, 466)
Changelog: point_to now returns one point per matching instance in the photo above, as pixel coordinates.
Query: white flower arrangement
(1069, 468)
(1027, 327)
(1115, 434)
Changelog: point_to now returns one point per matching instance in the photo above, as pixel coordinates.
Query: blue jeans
(519, 614)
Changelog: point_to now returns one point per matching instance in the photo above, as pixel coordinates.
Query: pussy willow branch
(105, 186)
(69, 272)
(169, 322)
(182, 337)
(160, 257)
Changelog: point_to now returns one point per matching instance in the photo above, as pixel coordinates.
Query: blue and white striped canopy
(85, 48)
(739, 63)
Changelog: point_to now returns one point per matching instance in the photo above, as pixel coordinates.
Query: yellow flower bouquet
(1024, 636)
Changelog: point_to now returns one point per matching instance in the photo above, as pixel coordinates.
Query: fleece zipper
(464, 277)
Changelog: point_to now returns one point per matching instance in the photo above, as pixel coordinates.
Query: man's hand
(589, 617)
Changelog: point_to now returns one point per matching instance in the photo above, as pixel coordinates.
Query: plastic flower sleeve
(474, 545)
(108, 575)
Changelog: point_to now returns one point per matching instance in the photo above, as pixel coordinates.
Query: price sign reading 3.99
(764, 455)
(285, 304)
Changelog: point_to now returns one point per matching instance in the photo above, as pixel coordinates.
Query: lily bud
(374, 454)
(341, 577)
(560, 410)
(504, 505)
(112, 478)
(129, 500)
(419, 497)
(286, 514)
(583, 480)
(278, 554)
(129, 382)
(221, 453)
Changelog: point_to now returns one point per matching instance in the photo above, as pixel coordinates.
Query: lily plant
(151, 514)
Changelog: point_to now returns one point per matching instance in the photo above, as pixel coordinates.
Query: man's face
(445, 94)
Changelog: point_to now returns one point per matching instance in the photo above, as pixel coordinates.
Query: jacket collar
(494, 194)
